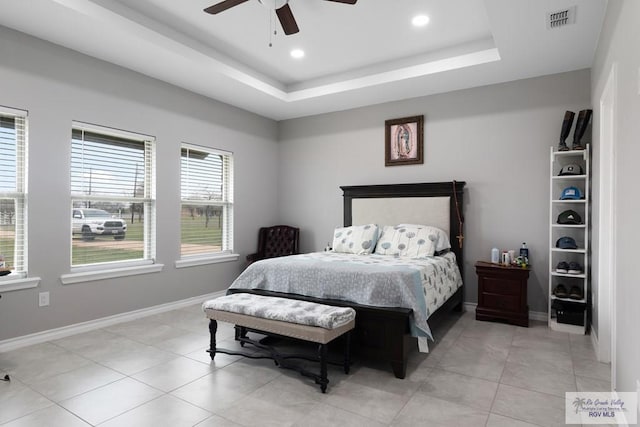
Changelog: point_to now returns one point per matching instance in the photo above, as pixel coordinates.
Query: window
(113, 196)
(206, 214)
(13, 192)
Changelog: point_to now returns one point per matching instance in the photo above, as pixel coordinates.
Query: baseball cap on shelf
(566, 242)
(571, 193)
(571, 169)
(569, 217)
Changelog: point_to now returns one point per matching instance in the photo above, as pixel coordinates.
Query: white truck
(91, 223)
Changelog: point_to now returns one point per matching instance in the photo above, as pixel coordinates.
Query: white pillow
(357, 239)
(443, 242)
(408, 241)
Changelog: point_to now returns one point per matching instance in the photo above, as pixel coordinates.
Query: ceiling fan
(281, 7)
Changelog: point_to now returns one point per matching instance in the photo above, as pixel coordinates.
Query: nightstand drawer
(501, 285)
(501, 302)
(502, 293)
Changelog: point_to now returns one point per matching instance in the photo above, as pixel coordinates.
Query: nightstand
(502, 293)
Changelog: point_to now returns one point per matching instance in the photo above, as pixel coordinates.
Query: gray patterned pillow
(357, 239)
(406, 241)
(442, 243)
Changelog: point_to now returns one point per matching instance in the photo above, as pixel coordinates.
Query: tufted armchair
(276, 241)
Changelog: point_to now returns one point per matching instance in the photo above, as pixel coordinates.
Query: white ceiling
(356, 55)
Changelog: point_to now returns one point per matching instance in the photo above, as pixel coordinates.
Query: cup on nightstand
(505, 258)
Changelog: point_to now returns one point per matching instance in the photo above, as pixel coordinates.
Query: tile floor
(155, 372)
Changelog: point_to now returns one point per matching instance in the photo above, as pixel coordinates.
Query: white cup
(505, 258)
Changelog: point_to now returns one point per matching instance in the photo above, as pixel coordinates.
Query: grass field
(6, 244)
(195, 238)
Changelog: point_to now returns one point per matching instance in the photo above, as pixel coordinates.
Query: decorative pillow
(357, 239)
(410, 241)
(443, 244)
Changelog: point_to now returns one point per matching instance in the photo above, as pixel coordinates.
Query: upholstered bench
(306, 321)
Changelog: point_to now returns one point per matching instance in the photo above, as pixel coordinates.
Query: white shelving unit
(573, 311)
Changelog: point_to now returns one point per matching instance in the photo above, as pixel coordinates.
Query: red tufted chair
(276, 241)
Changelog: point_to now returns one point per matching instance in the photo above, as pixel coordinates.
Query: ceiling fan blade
(223, 5)
(287, 20)
(345, 1)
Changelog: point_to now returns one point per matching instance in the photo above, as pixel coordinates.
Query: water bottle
(524, 253)
(495, 255)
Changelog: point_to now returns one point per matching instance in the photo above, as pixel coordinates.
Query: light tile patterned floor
(155, 372)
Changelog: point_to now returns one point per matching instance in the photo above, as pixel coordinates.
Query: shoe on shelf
(576, 293)
(567, 122)
(574, 268)
(582, 122)
(560, 291)
(562, 267)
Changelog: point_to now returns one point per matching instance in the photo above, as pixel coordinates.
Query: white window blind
(13, 192)
(113, 196)
(206, 215)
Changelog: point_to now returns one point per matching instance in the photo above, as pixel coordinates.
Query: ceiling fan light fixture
(420, 20)
(297, 53)
(273, 4)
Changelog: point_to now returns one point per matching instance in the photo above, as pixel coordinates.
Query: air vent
(561, 18)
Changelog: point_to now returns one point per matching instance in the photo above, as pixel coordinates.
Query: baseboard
(541, 316)
(594, 342)
(65, 331)
(470, 306)
(533, 315)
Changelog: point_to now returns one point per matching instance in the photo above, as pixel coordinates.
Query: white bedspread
(422, 285)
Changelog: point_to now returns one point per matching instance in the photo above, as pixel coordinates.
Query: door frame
(607, 225)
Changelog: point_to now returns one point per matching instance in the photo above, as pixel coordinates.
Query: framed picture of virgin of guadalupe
(404, 141)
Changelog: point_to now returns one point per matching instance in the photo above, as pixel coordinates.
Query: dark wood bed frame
(383, 333)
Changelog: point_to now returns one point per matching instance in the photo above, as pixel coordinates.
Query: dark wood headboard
(428, 189)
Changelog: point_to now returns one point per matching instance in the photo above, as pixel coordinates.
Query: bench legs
(240, 332)
(213, 328)
(323, 381)
(347, 352)
(280, 359)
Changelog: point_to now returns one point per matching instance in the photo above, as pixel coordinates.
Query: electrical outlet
(43, 299)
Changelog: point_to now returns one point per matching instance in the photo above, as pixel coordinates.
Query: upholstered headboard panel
(402, 210)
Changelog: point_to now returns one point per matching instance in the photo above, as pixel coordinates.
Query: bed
(384, 331)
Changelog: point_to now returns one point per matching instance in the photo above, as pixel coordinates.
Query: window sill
(90, 276)
(213, 259)
(7, 285)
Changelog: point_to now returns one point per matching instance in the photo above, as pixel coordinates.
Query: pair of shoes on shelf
(581, 126)
(575, 292)
(560, 291)
(569, 267)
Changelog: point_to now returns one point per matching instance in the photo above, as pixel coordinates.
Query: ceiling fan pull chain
(273, 19)
(270, 28)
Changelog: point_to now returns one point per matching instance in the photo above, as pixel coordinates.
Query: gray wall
(618, 45)
(496, 138)
(57, 86)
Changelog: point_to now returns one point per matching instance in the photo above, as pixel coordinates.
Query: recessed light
(297, 53)
(420, 20)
